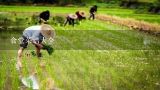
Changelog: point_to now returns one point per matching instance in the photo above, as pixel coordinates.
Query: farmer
(70, 19)
(36, 34)
(80, 15)
(92, 12)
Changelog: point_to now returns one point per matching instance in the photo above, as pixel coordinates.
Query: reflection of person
(35, 34)
(70, 19)
(92, 12)
(80, 15)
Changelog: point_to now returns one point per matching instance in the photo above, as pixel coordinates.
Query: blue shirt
(33, 33)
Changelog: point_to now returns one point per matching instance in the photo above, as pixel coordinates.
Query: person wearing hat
(80, 15)
(70, 19)
(44, 16)
(36, 34)
(92, 12)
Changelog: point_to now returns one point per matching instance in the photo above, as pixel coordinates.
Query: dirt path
(131, 23)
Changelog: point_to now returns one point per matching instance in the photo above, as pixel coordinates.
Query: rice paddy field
(92, 55)
(126, 13)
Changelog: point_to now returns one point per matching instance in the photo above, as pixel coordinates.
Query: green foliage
(157, 3)
(34, 19)
(33, 53)
(58, 20)
(145, 6)
(20, 21)
(48, 48)
(5, 21)
(66, 2)
(60, 2)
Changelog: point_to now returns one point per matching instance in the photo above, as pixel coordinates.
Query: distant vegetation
(58, 2)
(63, 2)
(152, 6)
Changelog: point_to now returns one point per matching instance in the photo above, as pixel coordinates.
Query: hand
(39, 45)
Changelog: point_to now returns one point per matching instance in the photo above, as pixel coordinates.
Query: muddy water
(13, 24)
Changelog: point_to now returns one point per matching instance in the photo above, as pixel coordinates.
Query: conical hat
(47, 31)
(73, 16)
(82, 13)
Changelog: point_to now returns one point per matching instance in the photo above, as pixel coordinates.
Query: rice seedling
(94, 55)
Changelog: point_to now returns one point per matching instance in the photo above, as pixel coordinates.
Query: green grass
(125, 13)
(120, 61)
(88, 70)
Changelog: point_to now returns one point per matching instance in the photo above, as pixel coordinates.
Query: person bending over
(80, 15)
(70, 19)
(36, 34)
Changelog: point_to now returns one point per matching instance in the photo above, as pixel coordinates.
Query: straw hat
(47, 31)
(73, 16)
(82, 13)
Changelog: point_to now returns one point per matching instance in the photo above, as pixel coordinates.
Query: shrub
(58, 20)
(129, 3)
(20, 21)
(154, 7)
(5, 21)
(34, 19)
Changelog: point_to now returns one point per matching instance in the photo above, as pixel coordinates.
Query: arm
(39, 45)
(35, 37)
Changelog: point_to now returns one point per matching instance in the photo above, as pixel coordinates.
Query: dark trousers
(70, 21)
(92, 15)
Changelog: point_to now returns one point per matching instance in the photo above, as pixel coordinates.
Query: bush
(34, 19)
(155, 7)
(58, 20)
(129, 3)
(142, 7)
(20, 21)
(5, 21)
